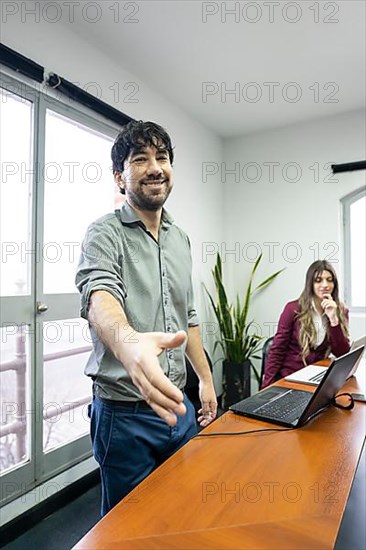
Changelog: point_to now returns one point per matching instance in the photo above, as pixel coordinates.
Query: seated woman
(311, 327)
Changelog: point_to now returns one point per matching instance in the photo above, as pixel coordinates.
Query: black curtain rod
(77, 94)
(349, 166)
(12, 59)
(21, 64)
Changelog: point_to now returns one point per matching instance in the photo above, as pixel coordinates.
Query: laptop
(294, 408)
(313, 374)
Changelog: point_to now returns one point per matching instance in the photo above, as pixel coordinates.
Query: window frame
(347, 202)
(32, 473)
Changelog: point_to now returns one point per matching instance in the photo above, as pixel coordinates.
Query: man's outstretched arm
(138, 352)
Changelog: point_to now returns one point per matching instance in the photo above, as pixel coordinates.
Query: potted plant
(239, 341)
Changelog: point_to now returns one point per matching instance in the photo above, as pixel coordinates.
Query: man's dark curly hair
(137, 134)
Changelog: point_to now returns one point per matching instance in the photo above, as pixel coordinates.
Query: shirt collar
(315, 310)
(129, 216)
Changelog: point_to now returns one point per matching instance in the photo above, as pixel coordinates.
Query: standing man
(134, 276)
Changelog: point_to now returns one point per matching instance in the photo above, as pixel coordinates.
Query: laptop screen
(333, 380)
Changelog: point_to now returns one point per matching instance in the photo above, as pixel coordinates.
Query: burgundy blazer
(284, 355)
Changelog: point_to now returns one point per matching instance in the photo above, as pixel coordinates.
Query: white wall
(306, 212)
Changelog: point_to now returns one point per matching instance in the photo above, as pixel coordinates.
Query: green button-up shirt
(152, 281)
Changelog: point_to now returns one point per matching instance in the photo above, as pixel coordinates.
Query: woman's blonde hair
(307, 330)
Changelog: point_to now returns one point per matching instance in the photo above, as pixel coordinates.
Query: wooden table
(270, 490)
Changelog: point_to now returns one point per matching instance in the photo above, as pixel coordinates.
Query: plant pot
(236, 382)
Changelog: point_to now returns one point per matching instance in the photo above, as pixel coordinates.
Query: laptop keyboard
(290, 405)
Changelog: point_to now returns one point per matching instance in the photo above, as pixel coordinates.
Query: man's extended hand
(138, 352)
(141, 361)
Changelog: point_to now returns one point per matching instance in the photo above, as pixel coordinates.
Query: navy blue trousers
(129, 443)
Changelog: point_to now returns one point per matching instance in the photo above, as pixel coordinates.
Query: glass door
(78, 188)
(56, 179)
(17, 420)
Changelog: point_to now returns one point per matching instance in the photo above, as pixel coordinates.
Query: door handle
(41, 308)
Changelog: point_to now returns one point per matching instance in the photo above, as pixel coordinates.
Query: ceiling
(284, 62)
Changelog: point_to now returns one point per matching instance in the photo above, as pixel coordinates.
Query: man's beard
(150, 202)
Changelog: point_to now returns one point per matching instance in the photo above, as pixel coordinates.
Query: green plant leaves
(239, 341)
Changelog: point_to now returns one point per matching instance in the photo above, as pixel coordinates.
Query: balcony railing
(18, 422)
